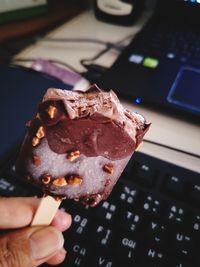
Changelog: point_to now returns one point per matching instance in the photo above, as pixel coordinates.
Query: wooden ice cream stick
(46, 211)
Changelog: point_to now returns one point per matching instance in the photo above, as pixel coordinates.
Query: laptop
(161, 65)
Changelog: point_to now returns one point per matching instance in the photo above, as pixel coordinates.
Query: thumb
(29, 247)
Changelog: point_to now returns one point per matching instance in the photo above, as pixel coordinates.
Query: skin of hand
(25, 246)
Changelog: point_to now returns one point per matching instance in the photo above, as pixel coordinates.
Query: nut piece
(36, 160)
(40, 132)
(35, 141)
(74, 180)
(60, 181)
(51, 110)
(46, 179)
(73, 155)
(108, 168)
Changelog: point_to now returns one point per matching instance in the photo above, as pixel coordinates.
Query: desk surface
(165, 129)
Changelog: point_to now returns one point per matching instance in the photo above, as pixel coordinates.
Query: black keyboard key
(77, 253)
(153, 255)
(10, 188)
(195, 194)
(179, 263)
(175, 214)
(125, 194)
(101, 259)
(103, 236)
(80, 225)
(129, 221)
(127, 247)
(182, 244)
(106, 211)
(152, 206)
(157, 233)
(145, 174)
(174, 185)
(195, 224)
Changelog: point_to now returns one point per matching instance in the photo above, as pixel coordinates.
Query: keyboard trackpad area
(185, 91)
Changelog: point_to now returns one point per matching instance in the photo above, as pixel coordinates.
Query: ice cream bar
(78, 144)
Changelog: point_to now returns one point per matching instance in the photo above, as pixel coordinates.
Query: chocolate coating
(93, 136)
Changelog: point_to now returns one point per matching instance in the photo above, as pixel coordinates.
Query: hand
(29, 246)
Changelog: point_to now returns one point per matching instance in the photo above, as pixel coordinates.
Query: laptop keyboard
(172, 41)
(152, 218)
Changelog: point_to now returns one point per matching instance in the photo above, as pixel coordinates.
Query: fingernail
(45, 242)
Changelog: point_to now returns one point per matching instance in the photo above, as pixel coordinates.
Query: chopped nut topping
(46, 179)
(73, 155)
(108, 168)
(35, 141)
(40, 132)
(36, 160)
(74, 180)
(60, 181)
(51, 110)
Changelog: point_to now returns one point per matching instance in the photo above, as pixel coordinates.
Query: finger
(30, 247)
(62, 220)
(19, 212)
(58, 258)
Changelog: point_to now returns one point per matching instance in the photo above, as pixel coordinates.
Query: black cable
(172, 148)
(117, 46)
(51, 61)
(84, 62)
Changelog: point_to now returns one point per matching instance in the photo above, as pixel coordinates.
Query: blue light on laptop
(138, 100)
(193, 1)
(171, 55)
(136, 58)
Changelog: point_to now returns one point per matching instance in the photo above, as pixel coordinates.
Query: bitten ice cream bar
(78, 144)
